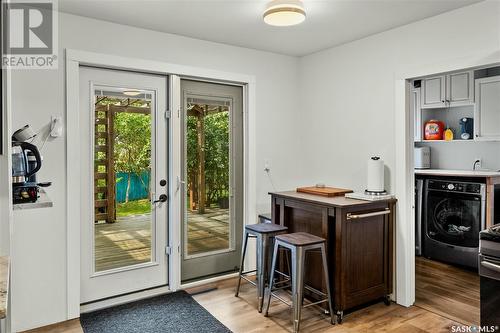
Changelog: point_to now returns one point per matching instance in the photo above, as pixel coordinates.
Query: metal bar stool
(265, 233)
(298, 243)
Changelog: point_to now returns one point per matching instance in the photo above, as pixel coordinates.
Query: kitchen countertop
(43, 202)
(4, 285)
(338, 201)
(463, 173)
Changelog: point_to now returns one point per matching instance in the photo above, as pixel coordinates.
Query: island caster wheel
(387, 300)
(340, 316)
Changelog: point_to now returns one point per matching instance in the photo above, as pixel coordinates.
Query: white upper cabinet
(487, 110)
(433, 92)
(460, 88)
(454, 89)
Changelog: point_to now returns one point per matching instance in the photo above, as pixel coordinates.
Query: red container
(434, 130)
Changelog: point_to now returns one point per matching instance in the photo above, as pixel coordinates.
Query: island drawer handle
(351, 216)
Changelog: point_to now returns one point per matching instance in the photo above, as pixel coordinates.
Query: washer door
(453, 218)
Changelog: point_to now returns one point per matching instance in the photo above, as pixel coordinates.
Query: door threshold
(136, 296)
(208, 280)
(122, 299)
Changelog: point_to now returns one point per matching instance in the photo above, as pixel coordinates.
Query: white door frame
(404, 172)
(76, 58)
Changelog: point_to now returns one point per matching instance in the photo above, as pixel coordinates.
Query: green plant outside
(136, 207)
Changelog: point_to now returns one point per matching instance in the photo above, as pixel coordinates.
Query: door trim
(77, 58)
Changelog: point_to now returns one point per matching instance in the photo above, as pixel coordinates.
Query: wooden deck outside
(209, 231)
(128, 241)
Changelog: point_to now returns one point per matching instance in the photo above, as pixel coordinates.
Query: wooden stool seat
(265, 228)
(300, 239)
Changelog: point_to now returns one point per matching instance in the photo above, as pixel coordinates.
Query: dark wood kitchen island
(359, 243)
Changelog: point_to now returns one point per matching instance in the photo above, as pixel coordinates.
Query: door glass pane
(207, 176)
(122, 178)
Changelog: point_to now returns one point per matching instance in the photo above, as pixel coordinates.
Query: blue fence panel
(137, 190)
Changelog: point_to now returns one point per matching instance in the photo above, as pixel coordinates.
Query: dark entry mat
(176, 312)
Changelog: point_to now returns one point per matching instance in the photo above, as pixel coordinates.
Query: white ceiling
(239, 22)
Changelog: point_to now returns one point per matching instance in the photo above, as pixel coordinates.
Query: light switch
(56, 126)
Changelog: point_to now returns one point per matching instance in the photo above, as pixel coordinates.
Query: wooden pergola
(104, 164)
(104, 169)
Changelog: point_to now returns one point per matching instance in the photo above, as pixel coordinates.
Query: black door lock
(163, 182)
(162, 198)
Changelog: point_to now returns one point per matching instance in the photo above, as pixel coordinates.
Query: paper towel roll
(375, 175)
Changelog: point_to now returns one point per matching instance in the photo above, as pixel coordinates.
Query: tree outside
(208, 144)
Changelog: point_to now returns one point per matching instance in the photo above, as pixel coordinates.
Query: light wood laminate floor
(447, 290)
(240, 315)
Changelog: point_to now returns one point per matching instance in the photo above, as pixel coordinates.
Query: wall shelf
(444, 141)
(43, 202)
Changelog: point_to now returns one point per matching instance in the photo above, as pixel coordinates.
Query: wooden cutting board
(324, 191)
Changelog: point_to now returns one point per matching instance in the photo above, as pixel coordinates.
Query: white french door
(124, 183)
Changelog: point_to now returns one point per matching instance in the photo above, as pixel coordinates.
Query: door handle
(162, 198)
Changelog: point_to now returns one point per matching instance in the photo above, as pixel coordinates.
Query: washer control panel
(453, 186)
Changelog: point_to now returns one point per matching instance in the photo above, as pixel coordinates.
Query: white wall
(5, 172)
(461, 155)
(4, 207)
(347, 92)
(39, 242)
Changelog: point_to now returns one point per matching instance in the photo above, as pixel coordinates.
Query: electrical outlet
(478, 163)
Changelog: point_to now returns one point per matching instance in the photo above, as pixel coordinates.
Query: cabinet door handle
(351, 216)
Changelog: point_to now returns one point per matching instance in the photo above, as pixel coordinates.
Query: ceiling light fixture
(131, 92)
(283, 13)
